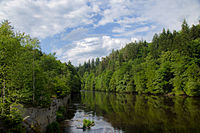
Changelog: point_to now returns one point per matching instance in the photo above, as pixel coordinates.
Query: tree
(9, 46)
(164, 66)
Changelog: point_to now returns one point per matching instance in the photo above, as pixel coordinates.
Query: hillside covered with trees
(170, 64)
(29, 76)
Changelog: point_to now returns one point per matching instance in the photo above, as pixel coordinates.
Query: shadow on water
(114, 112)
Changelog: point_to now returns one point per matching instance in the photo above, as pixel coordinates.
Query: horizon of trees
(170, 64)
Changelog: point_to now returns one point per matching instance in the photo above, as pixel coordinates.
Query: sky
(79, 30)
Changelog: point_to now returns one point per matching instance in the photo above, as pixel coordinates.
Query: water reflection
(134, 113)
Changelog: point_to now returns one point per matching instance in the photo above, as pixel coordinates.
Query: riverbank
(36, 119)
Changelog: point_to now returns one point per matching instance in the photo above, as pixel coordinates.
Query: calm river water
(113, 113)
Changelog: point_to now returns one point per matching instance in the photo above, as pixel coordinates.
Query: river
(130, 113)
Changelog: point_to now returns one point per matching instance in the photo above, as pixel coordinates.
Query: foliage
(53, 128)
(87, 123)
(167, 65)
(12, 118)
(29, 76)
(60, 114)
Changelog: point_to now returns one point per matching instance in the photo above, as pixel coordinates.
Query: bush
(87, 123)
(53, 128)
(12, 118)
(60, 114)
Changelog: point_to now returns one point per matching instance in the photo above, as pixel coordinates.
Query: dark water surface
(130, 113)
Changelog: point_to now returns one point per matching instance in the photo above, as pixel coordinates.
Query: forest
(28, 76)
(168, 65)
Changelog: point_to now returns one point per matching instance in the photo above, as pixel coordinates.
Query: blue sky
(78, 30)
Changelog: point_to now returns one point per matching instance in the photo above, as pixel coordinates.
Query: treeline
(29, 76)
(170, 64)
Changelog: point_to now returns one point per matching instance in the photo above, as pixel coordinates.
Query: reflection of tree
(145, 113)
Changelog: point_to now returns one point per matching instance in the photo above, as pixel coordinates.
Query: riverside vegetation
(169, 65)
(29, 77)
(87, 124)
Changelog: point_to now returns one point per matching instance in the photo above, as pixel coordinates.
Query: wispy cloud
(81, 29)
(91, 47)
(42, 18)
(75, 34)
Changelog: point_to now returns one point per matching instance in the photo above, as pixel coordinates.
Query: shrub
(53, 128)
(87, 123)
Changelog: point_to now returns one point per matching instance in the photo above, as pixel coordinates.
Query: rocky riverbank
(37, 119)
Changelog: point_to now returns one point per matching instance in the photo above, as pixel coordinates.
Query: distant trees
(169, 64)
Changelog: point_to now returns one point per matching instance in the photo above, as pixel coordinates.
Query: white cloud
(58, 51)
(116, 9)
(143, 32)
(171, 13)
(42, 18)
(75, 34)
(91, 48)
(109, 43)
(163, 14)
(130, 18)
(118, 30)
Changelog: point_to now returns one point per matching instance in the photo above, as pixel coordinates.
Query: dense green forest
(29, 76)
(170, 64)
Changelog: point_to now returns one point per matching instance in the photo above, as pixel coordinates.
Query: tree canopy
(29, 76)
(170, 64)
